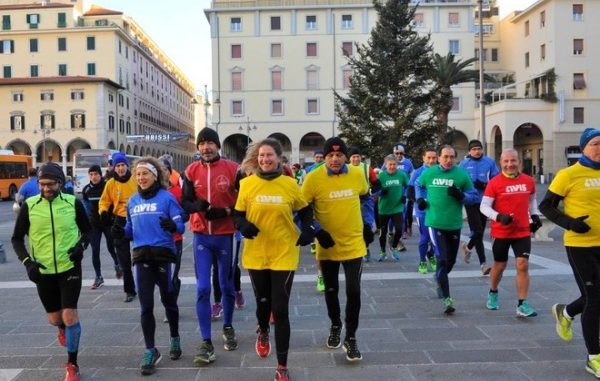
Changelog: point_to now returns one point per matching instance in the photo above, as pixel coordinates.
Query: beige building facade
(78, 76)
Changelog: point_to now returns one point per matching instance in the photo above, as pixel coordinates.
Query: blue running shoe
(492, 302)
(525, 310)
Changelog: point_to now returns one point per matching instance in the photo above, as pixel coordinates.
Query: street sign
(157, 138)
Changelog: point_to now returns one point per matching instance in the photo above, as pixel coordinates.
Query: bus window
(85, 158)
(13, 173)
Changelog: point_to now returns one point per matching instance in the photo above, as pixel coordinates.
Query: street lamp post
(482, 101)
(206, 106)
(248, 128)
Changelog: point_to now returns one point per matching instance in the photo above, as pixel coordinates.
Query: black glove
(117, 231)
(106, 218)
(247, 228)
(479, 185)
(421, 204)
(504, 219)
(76, 252)
(33, 269)
(307, 236)
(383, 191)
(453, 191)
(167, 224)
(578, 226)
(324, 239)
(215, 213)
(200, 205)
(368, 235)
(535, 224)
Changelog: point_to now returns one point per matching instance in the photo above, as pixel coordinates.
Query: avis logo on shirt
(141, 208)
(341, 193)
(516, 188)
(446, 182)
(590, 183)
(269, 199)
(392, 182)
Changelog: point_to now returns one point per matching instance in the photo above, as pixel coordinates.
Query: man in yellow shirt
(334, 189)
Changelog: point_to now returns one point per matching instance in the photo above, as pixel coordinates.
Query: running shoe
(240, 302)
(175, 349)
(485, 269)
(263, 345)
(593, 366)
(205, 354)
(525, 310)
(118, 272)
(367, 256)
(129, 298)
(423, 267)
(151, 358)
(351, 349)
(320, 283)
(282, 373)
(400, 246)
(216, 311)
(334, 340)
(563, 323)
(382, 256)
(98, 282)
(433, 264)
(313, 248)
(229, 340)
(271, 319)
(72, 372)
(396, 254)
(449, 306)
(62, 339)
(492, 301)
(466, 252)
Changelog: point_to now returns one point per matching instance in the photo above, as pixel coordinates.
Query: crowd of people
(338, 206)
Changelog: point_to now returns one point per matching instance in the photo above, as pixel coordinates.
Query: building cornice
(34, 6)
(56, 80)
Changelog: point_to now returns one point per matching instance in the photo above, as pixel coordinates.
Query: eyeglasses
(49, 184)
(398, 153)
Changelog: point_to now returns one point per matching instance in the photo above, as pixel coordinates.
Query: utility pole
(482, 101)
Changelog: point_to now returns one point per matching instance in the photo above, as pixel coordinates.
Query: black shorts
(60, 291)
(521, 247)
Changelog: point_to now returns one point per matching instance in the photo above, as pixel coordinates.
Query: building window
(47, 96)
(494, 55)
(542, 19)
(347, 74)
(527, 59)
(453, 19)
(312, 79)
(419, 20)
(542, 52)
(17, 97)
(577, 12)
(347, 48)
(91, 43)
(276, 79)
(236, 24)
(111, 122)
(78, 120)
(121, 125)
(47, 121)
(275, 50)
(311, 49)
(236, 51)
(275, 23)
(7, 46)
(578, 117)
(62, 44)
(62, 70)
(527, 28)
(34, 70)
(277, 107)
(77, 95)
(33, 45)
(33, 20)
(62, 20)
(578, 81)
(312, 106)
(6, 22)
(454, 47)
(578, 46)
(346, 21)
(7, 71)
(455, 104)
(91, 68)
(236, 81)
(311, 22)
(17, 122)
(237, 108)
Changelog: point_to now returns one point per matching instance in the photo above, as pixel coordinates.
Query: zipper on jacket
(53, 238)
(208, 193)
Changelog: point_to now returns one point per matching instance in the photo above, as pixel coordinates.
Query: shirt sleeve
(240, 203)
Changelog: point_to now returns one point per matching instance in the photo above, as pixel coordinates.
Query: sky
(181, 30)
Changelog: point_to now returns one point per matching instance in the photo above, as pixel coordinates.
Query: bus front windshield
(85, 161)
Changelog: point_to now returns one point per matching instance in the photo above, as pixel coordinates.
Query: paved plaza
(403, 333)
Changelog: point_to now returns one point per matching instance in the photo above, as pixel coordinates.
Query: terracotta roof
(34, 6)
(50, 80)
(99, 11)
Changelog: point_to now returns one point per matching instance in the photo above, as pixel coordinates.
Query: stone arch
(460, 142)
(528, 140)
(286, 144)
(496, 133)
(309, 143)
(234, 147)
(49, 150)
(19, 147)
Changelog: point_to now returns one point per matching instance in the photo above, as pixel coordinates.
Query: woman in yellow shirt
(264, 216)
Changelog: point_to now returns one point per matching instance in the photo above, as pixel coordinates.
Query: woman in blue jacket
(153, 215)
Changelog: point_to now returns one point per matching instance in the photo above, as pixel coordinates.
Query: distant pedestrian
(578, 187)
(29, 188)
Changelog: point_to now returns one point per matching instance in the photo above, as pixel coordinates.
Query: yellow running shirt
(268, 205)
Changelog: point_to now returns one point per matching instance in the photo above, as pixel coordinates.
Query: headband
(149, 167)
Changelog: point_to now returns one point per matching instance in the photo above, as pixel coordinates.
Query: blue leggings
(445, 244)
(424, 239)
(205, 246)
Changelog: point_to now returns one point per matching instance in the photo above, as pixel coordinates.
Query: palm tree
(446, 73)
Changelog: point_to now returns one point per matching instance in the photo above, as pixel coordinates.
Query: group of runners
(337, 207)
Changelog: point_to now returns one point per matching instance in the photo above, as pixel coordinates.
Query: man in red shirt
(509, 201)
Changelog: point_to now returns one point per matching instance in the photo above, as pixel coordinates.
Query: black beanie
(51, 171)
(208, 135)
(353, 151)
(95, 168)
(335, 144)
(475, 143)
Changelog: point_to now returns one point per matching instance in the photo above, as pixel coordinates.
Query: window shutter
(73, 121)
(28, 19)
(12, 123)
(12, 46)
(83, 121)
(2, 47)
(23, 122)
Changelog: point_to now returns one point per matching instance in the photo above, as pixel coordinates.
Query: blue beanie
(588, 134)
(119, 158)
